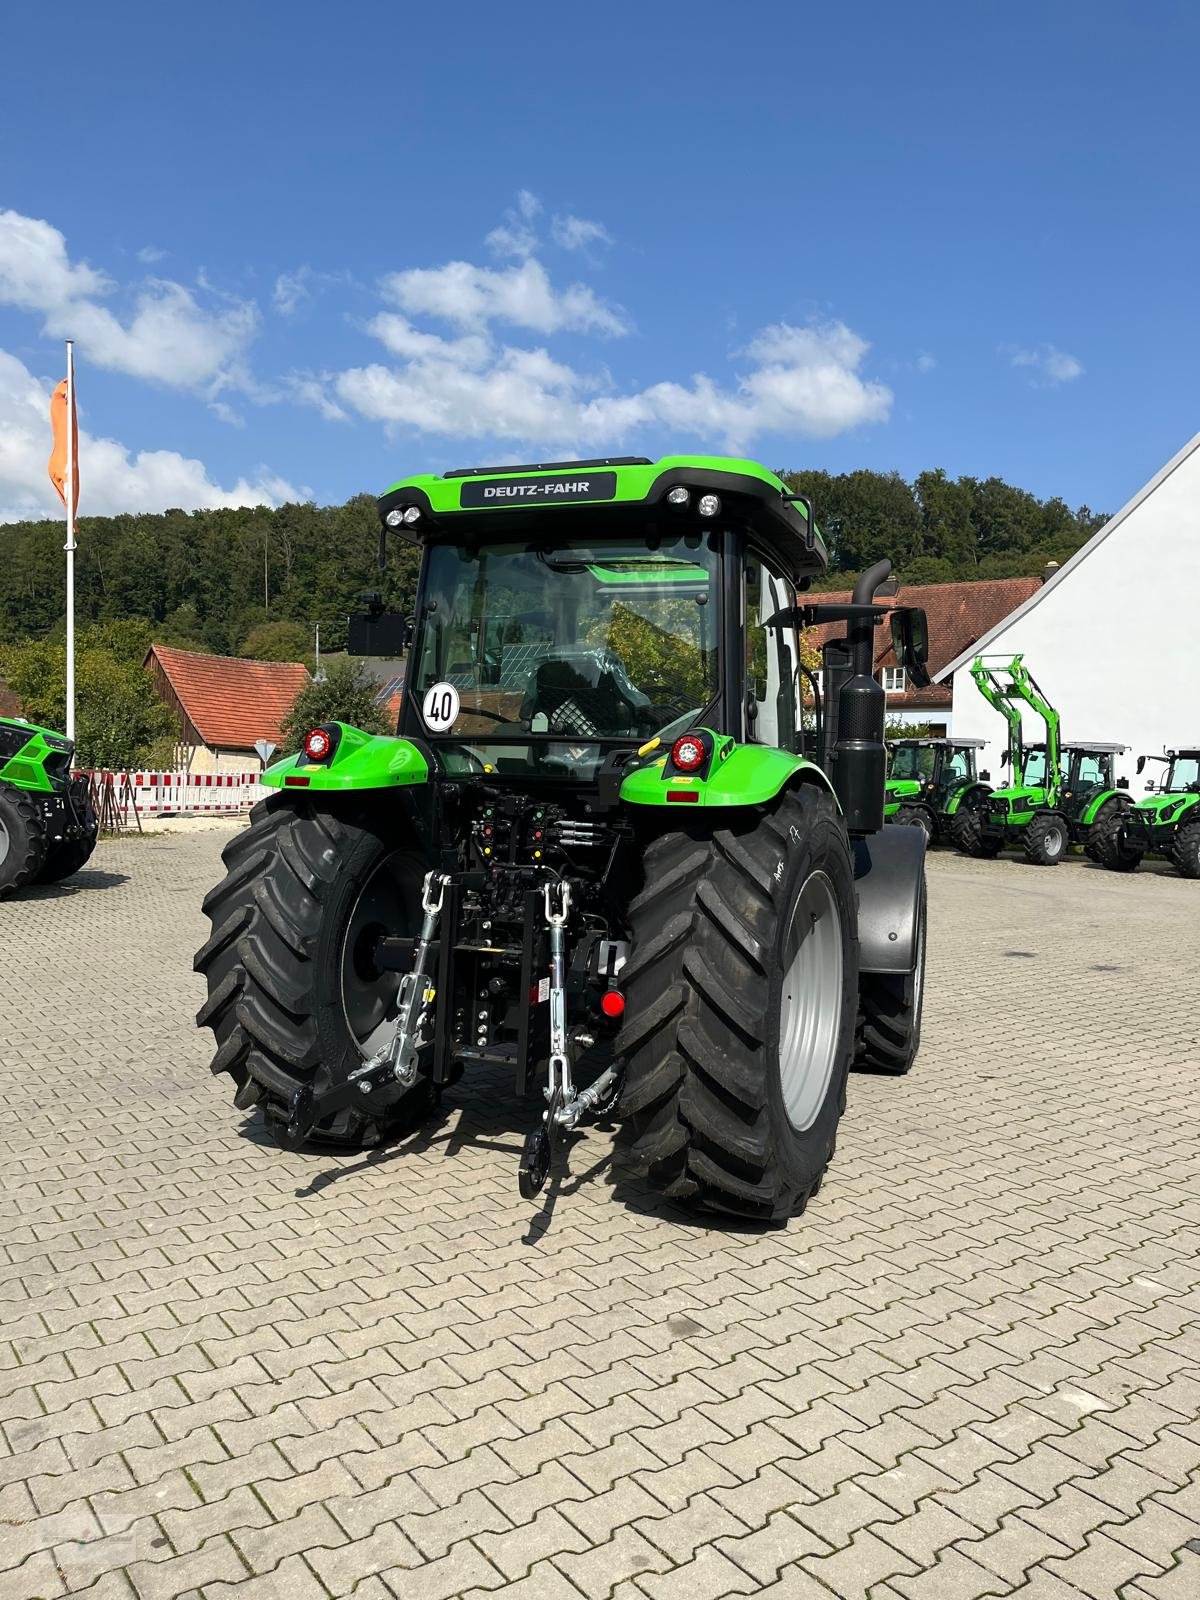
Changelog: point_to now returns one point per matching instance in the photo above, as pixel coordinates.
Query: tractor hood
(1157, 808)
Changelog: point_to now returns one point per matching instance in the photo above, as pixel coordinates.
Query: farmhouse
(959, 614)
(224, 705)
(1110, 636)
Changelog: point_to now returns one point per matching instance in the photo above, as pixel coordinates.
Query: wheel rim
(1055, 843)
(3, 841)
(387, 903)
(919, 968)
(810, 1011)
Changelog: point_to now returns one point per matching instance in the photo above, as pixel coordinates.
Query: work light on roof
(678, 496)
(395, 517)
(710, 504)
(412, 514)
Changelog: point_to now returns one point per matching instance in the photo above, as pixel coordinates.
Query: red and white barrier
(180, 794)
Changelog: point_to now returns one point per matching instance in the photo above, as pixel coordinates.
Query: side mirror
(910, 642)
(1141, 764)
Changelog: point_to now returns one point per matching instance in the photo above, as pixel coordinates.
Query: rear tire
(1106, 846)
(22, 839)
(292, 995)
(916, 817)
(967, 832)
(1045, 840)
(1186, 852)
(890, 1006)
(742, 988)
(70, 855)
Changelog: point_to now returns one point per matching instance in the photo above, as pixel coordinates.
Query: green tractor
(47, 821)
(1167, 820)
(1058, 795)
(603, 852)
(929, 780)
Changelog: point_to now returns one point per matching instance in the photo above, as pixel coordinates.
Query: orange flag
(60, 422)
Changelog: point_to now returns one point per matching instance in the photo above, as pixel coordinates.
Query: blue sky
(307, 249)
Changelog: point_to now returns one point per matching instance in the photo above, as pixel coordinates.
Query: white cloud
(522, 295)
(149, 255)
(926, 362)
(112, 478)
(1049, 364)
(168, 338)
(291, 291)
(516, 235)
(803, 381)
(577, 233)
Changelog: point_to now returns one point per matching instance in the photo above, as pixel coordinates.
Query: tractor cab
(1088, 774)
(928, 780)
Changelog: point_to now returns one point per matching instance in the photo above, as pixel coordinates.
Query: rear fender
(1092, 810)
(889, 868)
(359, 761)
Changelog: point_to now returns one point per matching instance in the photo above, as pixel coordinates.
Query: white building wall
(1114, 638)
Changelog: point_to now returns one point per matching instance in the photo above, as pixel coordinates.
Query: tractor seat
(584, 697)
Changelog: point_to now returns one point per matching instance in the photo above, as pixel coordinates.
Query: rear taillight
(317, 744)
(688, 752)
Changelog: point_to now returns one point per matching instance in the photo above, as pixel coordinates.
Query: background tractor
(47, 821)
(1167, 820)
(1058, 794)
(603, 850)
(928, 781)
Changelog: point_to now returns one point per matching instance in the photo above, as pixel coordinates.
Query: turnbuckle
(541, 1143)
(396, 1061)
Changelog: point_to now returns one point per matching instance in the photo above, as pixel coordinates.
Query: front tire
(890, 1007)
(293, 996)
(22, 839)
(916, 817)
(967, 832)
(741, 992)
(1186, 853)
(1045, 840)
(1106, 845)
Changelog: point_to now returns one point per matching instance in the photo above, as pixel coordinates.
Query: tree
(120, 723)
(279, 641)
(344, 694)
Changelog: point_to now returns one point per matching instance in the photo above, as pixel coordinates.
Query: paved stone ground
(970, 1370)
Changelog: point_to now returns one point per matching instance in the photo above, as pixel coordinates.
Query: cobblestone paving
(971, 1370)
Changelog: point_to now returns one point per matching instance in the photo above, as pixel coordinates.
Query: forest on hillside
(222, 580)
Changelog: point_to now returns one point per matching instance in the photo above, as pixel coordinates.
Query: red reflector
(296, 783)
(683, 794)
(613, 1003)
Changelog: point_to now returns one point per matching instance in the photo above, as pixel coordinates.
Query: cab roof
(508, 500)
(945, 742)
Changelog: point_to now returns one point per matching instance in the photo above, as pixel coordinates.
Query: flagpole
(69, 547)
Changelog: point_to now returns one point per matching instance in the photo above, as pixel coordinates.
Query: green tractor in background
(929, 780)
(1058, 795)
(1167, 820)
(48, 824)
(603, 854)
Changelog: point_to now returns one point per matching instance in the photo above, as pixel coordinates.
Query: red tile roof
(958, 613)
(230, 702)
